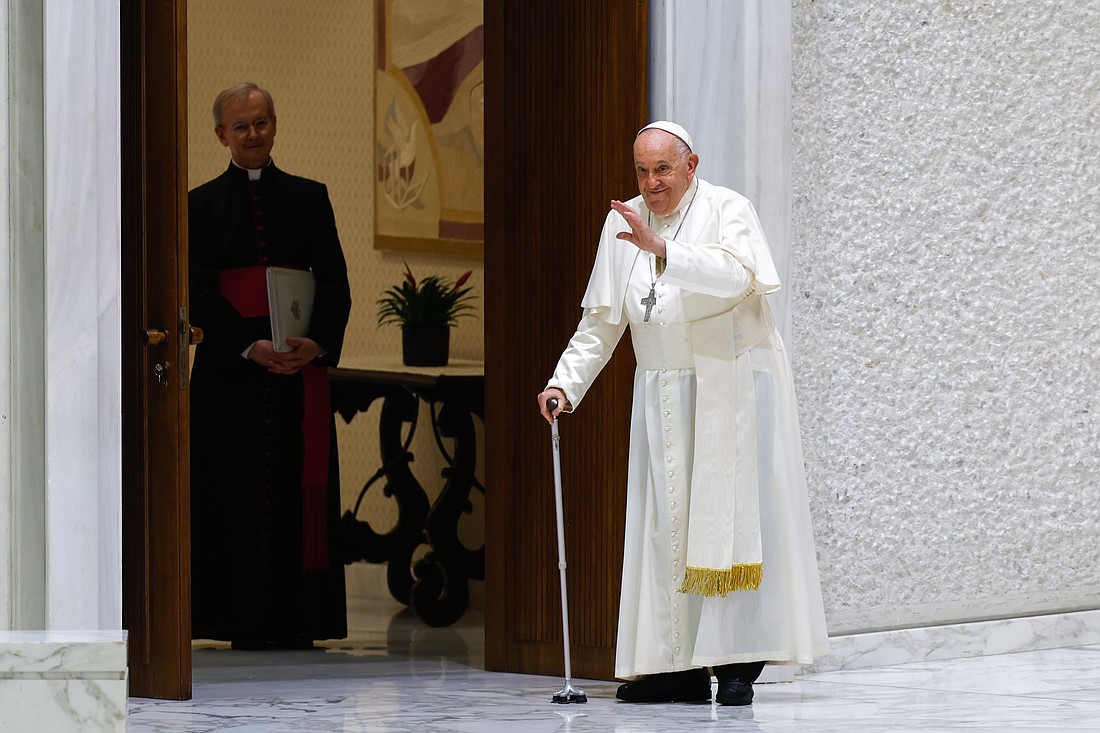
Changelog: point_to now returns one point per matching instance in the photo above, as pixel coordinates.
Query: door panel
(566, 91)
(155, 480)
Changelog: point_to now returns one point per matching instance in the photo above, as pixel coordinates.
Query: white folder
(290, 300)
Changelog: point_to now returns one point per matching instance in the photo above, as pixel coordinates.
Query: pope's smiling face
(248, 129)
(665, 168)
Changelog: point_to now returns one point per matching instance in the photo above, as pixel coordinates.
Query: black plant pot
(425, 344)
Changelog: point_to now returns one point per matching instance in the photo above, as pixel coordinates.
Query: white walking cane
(568, 693)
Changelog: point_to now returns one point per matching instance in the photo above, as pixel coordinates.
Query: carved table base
(437, 587)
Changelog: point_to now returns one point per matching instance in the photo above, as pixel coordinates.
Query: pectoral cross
(649, 301)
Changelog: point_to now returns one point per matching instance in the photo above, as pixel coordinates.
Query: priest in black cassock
(265, 497)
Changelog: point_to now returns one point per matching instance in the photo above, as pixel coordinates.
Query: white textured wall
(946, 304)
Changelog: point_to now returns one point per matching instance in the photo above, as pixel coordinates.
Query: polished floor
(395, 674)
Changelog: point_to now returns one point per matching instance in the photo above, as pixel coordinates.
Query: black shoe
(690, 685)
(733, 691)
(735, 682)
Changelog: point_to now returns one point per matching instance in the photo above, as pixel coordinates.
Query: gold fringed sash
(713, 582)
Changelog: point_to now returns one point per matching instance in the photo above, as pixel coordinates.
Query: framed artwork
(429, 106)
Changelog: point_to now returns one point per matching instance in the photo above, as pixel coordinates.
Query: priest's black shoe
(690, 685)
(282, 643)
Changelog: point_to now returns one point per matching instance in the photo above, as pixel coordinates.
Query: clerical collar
(253, 173)
(685, 201)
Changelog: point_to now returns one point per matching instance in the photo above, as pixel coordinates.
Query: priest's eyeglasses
(662, 171)
(261, 126)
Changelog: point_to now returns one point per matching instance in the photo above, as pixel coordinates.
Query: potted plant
(425, 310)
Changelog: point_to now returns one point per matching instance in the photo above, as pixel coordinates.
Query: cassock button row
(671, 474)
(664, 382)
(664, 398)
(672, 505)
(669, 459)
(672, 489)
(675, 548)
(665, 413)
(668, 443)
(676, 563)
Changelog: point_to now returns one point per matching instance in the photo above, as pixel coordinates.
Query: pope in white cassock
(719, 563)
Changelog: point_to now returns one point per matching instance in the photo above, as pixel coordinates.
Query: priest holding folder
(266, 568)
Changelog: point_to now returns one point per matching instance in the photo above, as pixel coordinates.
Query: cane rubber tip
(574, 697)
(552, 404)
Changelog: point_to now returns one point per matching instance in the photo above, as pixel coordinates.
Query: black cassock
(248, 581)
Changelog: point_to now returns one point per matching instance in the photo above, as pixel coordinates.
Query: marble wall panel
(63, 682)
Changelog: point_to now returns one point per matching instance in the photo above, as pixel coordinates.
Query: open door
(156, 522)
(565, 94)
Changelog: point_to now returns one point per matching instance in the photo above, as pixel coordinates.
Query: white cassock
(709, 309)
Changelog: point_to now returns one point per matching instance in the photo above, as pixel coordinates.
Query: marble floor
(395, 674)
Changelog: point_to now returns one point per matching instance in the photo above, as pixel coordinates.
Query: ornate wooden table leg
(441, 592)
(360, 541)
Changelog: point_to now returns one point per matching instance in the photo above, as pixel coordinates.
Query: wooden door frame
(156, 521)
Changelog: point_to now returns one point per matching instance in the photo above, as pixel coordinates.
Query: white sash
(723, 547)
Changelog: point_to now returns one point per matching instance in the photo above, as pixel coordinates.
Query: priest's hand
(263, 353)
(641, 235)
(287, 362)
(552, 393)
(303, 353)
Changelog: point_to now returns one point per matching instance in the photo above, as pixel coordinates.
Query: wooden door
(566, 92)
(156, 531)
